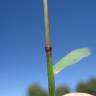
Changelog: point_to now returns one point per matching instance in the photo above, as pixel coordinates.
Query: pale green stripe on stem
(47, 26)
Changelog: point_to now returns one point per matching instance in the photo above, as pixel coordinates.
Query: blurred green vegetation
(61, 90)
(89, 87)
(85, 87)
(36, 90)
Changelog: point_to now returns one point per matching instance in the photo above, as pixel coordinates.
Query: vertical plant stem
(48, 49)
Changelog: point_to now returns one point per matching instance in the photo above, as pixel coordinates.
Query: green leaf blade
(73, 57)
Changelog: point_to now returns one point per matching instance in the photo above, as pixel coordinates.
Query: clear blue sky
(22, 56)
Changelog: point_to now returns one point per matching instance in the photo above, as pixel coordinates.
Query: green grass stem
(48, 48)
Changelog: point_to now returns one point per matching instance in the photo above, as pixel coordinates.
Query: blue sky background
(22, 56)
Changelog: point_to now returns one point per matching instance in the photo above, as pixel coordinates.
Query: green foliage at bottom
(61, 90)
(89, 87)
(36, 90)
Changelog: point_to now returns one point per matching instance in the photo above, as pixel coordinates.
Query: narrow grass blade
(73, 57)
